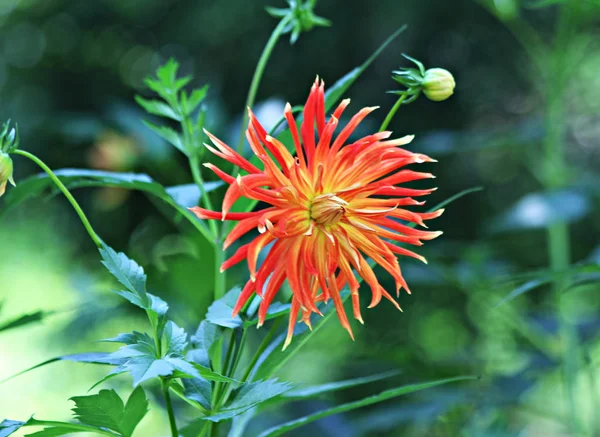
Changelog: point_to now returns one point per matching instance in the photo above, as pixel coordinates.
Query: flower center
(327, 209)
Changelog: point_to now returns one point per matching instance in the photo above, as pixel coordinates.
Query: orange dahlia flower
(332, 205)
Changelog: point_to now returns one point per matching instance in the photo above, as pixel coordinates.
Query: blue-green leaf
(156, 107)
(248, 396)
(8, 427)
(383, 396)
(318, 390)
(168, 134)
(219, 313)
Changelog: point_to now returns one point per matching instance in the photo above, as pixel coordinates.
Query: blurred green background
(69, 70)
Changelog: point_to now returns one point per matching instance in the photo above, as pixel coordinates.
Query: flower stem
(204, 197)
(169, 405)
(392, 112)
(258, 73)
(86, 223)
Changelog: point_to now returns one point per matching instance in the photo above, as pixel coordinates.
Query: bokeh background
(69, 71)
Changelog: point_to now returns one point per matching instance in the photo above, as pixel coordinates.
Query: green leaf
(140, 358)
(8, 427)
(129, 273)
(318, 390)
(90, 358)
(206, 335)
(274, 358)
(25, 319)
(248, 396)
(34, 186)
(195, 99)
(175, 339)
(156, 107)
(383, 396)
(56, 431)
(106, 410)
(199, 390)
(219, 313)
(169, 135)
(167, 73)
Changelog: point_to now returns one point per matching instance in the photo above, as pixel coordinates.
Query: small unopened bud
(6, 172)
(438, 84)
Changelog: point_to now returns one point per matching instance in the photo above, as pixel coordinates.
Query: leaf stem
(392, 112)
(258, 73)
(261, 348)
(169, 405)
(86, 223)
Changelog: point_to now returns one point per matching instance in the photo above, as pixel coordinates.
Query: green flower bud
(6, 172)
(438, 84)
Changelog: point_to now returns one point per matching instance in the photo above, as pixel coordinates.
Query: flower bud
(6, 171)
(438, 84)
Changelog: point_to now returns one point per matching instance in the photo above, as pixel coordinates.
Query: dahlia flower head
(332, 205)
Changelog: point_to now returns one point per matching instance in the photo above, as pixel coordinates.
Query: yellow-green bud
(6, 172)
(438, 84)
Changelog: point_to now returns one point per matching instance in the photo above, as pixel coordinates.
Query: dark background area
(69, 71)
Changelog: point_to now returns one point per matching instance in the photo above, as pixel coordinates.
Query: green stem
(265, 343)
(559, 245)
(169, 405)
(86, 223)
(73, 426)
(258, 73)
(204, 197)
(392, 112)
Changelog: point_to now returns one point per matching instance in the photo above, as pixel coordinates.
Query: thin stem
(86, 223)
(169, 405)
(204, 197)
(258, 73)
(261, 349)
(392, 112)
(219, 385)
(555, 174)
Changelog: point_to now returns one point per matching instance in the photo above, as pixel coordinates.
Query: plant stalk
(169, 406)
(258, 73)
(392, 112)
(84, 220)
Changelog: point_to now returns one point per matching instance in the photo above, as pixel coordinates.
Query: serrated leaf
(248, 396)
(130, 274)
(156, 107)
(220, 312)
(195, 99)
(175, 338)
(383, 396)
(205, 335)
(199, 390)
(169, 135)
(106, 410)
(168, 72)
(318, 390)
(202, 341)
(8, 427)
